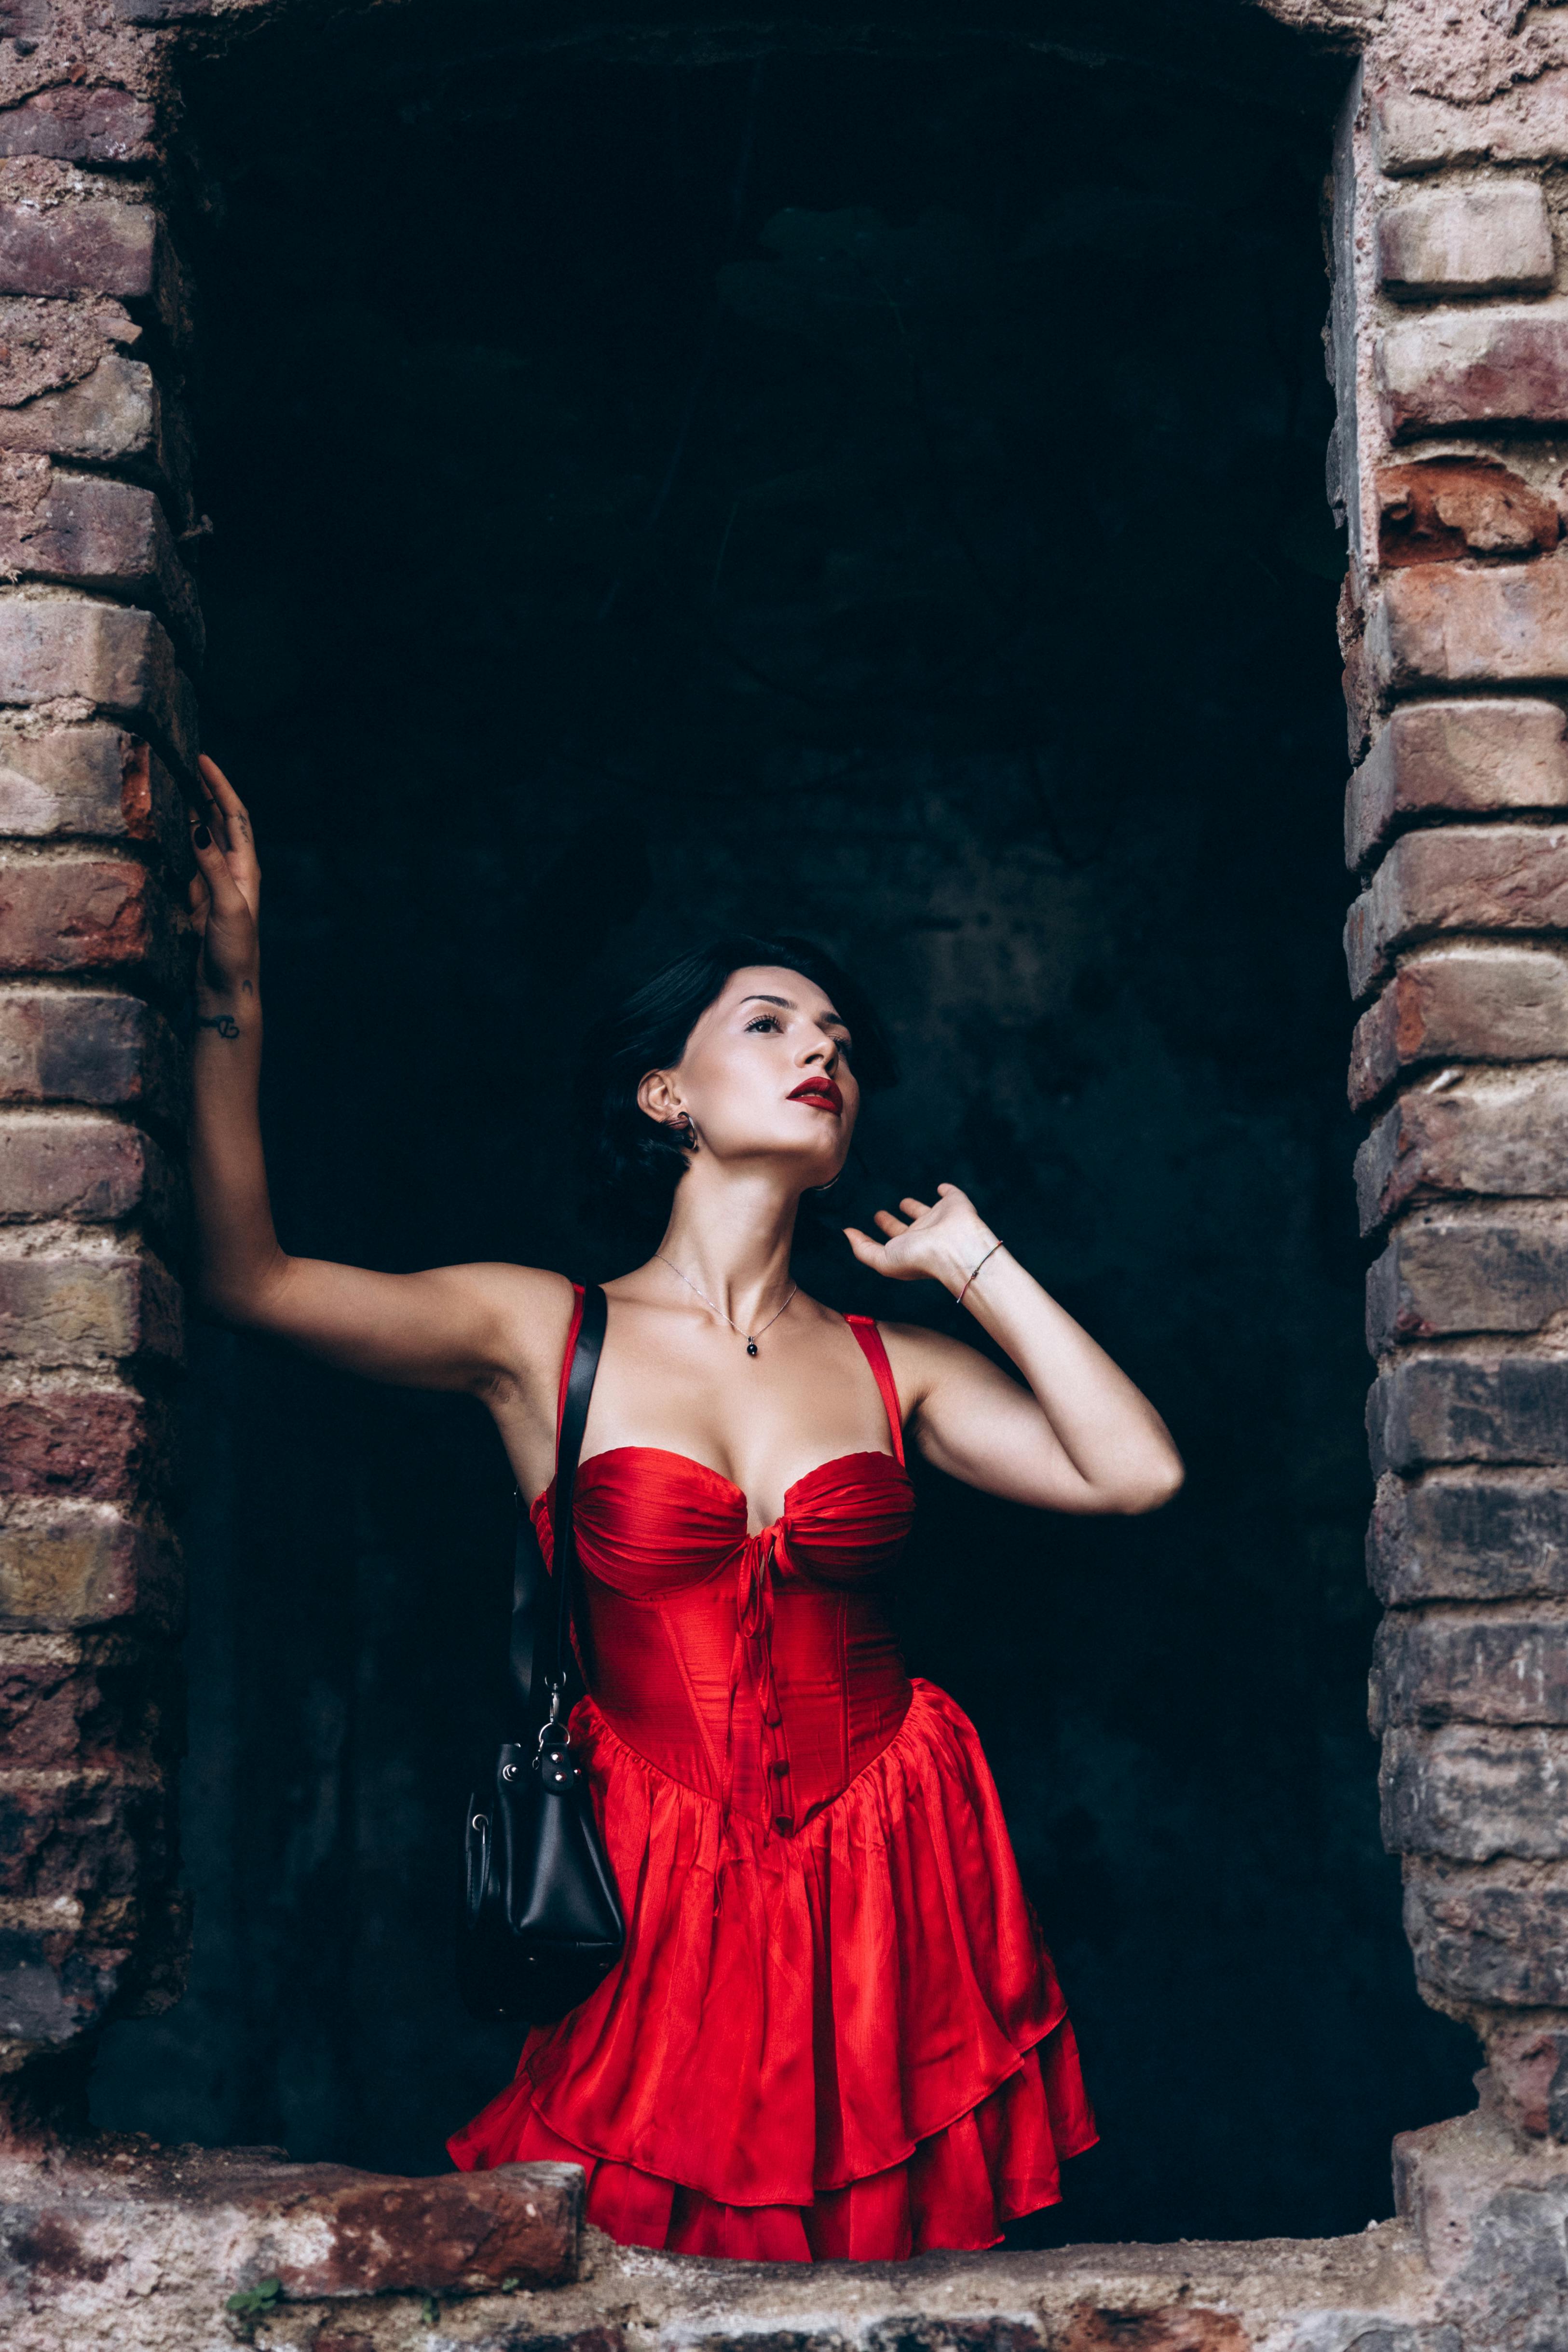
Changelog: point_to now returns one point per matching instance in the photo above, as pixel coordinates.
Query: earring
(688, 1133)
(818, 1189)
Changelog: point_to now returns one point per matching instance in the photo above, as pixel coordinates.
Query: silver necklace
(750, 1339)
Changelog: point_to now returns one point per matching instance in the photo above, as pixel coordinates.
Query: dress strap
(577, 1292)
(870, 1338)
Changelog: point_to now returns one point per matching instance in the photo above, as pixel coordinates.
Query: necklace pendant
(751, 1347)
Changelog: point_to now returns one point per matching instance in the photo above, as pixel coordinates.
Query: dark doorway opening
(677, 482)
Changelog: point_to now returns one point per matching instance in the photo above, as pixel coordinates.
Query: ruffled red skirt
(849, 2042)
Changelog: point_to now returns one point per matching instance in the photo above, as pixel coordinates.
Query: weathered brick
(1472, 1793)
(1496, 365)
(80, 1307)
(1497, 1933)
(1447, 1271)
(1493, 239)
(117, 415)
(90, 1444)
(1503, 1408)
(1469, 1535)
(1470, 756)
(1461, 1003)
(82, 528)
(68, 1564)
(1468, 624)
(60, 780)
(84, 914)
(1502, 1132)
(54, 647)
(47, 344)
(1455, 1665)
(80, 125)
(88, 1045)
(1461, 510)
(87, 1834)
(54, 1985)
(1527, 124)
(96, 246)
(1483, 877)
(95, 1169)
(46, 1693)
(365, 2236)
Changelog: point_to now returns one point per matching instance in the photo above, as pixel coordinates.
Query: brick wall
(99, 643)
(1451, 350)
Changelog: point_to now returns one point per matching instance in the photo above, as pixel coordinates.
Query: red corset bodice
(758, 1669)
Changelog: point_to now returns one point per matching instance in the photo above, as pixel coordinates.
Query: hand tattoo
(223, 1023)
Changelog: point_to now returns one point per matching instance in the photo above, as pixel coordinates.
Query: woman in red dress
(834, 2030)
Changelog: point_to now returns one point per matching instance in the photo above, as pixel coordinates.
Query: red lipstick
(820, 1090)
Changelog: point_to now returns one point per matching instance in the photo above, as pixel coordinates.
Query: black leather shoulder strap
(574, 1421)
(541, 1626)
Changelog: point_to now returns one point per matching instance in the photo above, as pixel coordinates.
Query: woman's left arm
(1080, 1438)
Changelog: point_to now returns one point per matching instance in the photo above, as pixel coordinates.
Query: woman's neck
(731, 1237)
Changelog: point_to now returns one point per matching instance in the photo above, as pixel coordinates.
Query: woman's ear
(656, 1097)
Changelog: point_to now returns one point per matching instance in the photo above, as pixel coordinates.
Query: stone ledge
(147, 2260)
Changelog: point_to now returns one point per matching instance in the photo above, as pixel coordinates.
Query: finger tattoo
(223, 1023)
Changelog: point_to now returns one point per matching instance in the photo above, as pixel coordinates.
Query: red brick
(84, 530)
(1502, 1133)
(1471, 625)
(88, 1045)
(1487, 367)
(80, 125)
(84, 779)
(1482, 239)
(45, 1692)
(97, 247)
(53, 645)
(1459, 1003)
(89, 1444)
(1456, 510)
(83, 1307)
(83, 914)
(77, 1564)
(94, 1169)
(1470, 756)
(47, 344)
(1493, 878)
(450, 2233)
(84, 1834)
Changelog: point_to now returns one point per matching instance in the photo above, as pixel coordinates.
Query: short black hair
(632, 1158)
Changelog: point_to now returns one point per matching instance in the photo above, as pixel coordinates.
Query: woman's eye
(764, 1021)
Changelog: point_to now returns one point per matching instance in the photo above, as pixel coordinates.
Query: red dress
(835, 2031)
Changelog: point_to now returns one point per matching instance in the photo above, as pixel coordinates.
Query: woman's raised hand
(226, 888)
(938, 1241)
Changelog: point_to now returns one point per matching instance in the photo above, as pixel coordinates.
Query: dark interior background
(672, 479)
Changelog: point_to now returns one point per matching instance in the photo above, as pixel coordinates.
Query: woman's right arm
(460, 1327)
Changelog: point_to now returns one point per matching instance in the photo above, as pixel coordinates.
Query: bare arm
(454, 1327)
(1080, 1438)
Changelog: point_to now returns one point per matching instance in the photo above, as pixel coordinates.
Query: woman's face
(766, 1074)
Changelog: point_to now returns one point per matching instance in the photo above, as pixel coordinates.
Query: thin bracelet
(990, 1253)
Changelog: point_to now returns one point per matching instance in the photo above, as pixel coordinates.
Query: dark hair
(632, 1156)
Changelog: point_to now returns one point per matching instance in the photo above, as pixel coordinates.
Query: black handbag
(540, 1926)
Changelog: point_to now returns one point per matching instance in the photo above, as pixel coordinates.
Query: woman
(835, 2030)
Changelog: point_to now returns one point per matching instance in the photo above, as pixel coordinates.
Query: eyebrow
(790, 1006)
